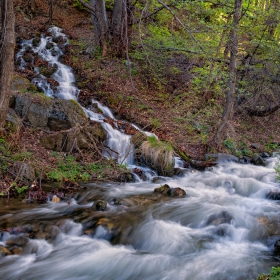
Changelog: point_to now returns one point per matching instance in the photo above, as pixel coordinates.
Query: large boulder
(49, 113)
(156, 155)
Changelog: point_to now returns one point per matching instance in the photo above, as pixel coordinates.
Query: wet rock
(265, 155)
(180, 172)
(223, 217)
(277, 247)
(273, 195)
(245, 160)
(28, 57)
(140, 173)
(17, 241)
(36, 42)
(101, 205)
(16, 250)
(49, 45)
(4, 251)
(166, 190)
(55, 199)
(117, 201)
(48, 71)
(178, 192)
(258, 160)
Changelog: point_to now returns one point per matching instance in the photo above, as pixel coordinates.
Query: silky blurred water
(224, 229)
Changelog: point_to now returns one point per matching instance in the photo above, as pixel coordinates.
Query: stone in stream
(17, 241)
(55, 199)
(101, 205)
(223, 217)
(277, 247)
(166, 190)
(258, 160)
(273, 195)
(4, 251)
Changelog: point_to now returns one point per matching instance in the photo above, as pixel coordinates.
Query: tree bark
(50, 11)
(118, 26)
(100, 22)
(6, 57)
(230, 94)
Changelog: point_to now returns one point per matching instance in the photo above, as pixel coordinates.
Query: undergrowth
(69, 168)
(274, 274)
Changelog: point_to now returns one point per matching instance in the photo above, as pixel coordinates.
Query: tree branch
(263, 113)
(86, 5)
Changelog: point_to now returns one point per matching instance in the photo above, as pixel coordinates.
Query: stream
(225, 228)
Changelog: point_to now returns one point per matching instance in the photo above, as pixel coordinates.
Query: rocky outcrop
(48, 113)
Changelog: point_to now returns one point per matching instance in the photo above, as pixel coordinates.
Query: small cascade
(118, 144)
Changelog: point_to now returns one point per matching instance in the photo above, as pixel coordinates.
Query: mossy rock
(156, 155)
(21, 84)
(36, 41)
(48, 71)
(48, 113)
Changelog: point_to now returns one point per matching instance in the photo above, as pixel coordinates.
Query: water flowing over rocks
(166, 190)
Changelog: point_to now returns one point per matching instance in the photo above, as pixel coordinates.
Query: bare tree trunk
(230, 94)
(6, 57)
(119, 26)
(50, 11)
(100, 22)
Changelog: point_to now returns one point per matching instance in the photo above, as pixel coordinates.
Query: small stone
(55, 199)
(258, 160)
(4, 251)
(101, 205)
(164, 189)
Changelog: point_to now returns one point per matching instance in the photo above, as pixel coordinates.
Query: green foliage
(77, 3)
(155, 123)
(155, 143)
(274, 274)
(70, 169)
(271, 147)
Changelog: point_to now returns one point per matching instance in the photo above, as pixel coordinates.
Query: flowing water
(225, 228)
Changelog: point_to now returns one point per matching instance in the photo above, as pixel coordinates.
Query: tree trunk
(225, 124)
(100, 22)
(50, 11)
(119, 27)
(6, 57)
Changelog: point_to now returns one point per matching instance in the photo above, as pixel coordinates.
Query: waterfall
(118, 144)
